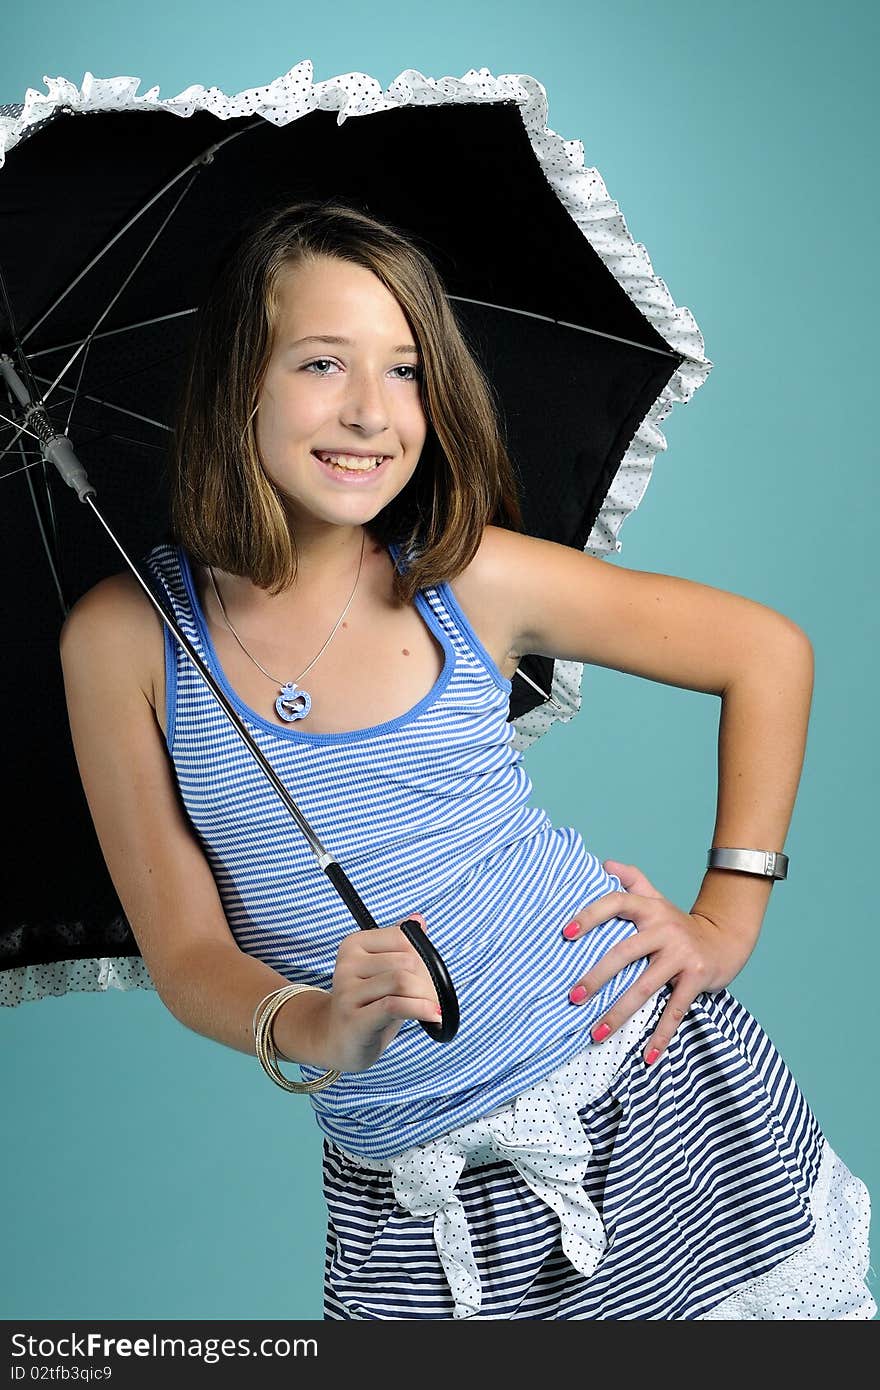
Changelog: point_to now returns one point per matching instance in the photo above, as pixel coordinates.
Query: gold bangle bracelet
(267, 1053)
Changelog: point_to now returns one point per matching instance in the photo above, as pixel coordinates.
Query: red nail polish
(571, 930)
(601, 1031)
(577, 995)
(652, 1056)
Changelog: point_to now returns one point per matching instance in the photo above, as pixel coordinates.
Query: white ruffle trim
(825, 1279)
(581, 191)
(26, 983)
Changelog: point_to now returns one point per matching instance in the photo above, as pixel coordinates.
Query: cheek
(263, 423)
(417, 424)
(283, 414)
(267, 416)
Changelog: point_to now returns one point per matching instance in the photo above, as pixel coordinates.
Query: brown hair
(227, 512)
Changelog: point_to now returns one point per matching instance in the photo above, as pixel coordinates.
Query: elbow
(776, 649)
(788, 637)
(803, 648)
(792, 659)
(779, 632)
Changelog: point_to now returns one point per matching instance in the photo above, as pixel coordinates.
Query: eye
(320, 362)
(407, 367)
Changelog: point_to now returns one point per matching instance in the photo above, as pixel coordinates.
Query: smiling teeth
(352, 462)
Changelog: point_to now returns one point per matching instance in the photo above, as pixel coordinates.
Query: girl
(610, 1134)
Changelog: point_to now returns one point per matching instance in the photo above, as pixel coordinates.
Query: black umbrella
(115, 214)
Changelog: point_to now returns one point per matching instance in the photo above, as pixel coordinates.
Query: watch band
(767, 862)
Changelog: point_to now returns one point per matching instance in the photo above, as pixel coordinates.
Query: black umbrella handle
(446, 1029)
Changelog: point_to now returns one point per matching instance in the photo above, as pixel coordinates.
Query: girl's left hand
(686, 949)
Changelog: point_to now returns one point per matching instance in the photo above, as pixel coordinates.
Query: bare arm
(762, 737)
(111, 645)
(551, 599)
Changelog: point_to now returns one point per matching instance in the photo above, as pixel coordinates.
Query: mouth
(351, 468)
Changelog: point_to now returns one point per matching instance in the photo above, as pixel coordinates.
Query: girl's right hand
(379, 980)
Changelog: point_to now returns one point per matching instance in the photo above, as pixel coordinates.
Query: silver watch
(767, 862)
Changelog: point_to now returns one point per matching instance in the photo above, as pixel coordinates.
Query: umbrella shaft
(14, 381)
(321, 854)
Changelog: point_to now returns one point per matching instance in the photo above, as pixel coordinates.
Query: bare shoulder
(541, 597)
(505, 558)
(113, 627)
(111, 648)
(482, 590)
(496, 550)
(508, 578)
(512, 580)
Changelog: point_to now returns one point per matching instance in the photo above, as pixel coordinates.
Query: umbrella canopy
(115, 215)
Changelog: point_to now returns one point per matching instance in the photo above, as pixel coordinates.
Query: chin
(357, 511)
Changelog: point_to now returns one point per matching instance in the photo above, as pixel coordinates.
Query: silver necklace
(292, 702)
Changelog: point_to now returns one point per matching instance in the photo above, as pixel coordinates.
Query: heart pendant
(293, 703)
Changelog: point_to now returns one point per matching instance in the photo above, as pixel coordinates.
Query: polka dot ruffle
(26, 983)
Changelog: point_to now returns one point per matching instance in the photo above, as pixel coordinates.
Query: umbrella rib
(74, 394)
(16, 472)
(123, 439)
(138, 263)
(581, 328)
(204, 158)
(551, 699)
(110, 333)
(19, 429)
(97, 400)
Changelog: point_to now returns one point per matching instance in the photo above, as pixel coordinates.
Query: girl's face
(353, 395)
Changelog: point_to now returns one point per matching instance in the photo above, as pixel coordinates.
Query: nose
(365, 406)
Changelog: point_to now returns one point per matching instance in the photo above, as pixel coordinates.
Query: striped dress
(520, 1171)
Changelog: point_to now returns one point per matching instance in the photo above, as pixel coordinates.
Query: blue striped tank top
(430, 813)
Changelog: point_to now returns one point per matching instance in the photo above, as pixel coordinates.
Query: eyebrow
(346, 342)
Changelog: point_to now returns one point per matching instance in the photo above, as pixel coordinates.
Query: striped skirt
(700, 1187)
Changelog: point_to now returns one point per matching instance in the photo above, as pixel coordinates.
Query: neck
(327, 560)
(327, 555)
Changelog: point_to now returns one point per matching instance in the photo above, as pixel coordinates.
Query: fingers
(676, 947)
(415, 917)
(380, 949)
(398, 1007)
(623, 1008)
(383, 968)
(365, 964)
(615, 959)
(622, 905)
(631, 878)
(680, 1000)
(391, 995)
(677, 1006)
(387, 938)
(399, 982)
(659, 937)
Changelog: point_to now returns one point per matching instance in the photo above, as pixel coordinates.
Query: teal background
(151, 1173)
